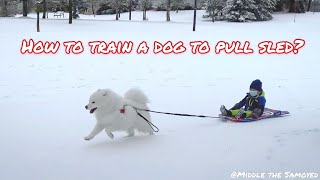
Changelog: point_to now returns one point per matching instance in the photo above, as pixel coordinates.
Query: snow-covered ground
(42, 99)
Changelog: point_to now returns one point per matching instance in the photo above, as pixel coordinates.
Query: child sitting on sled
(254, 103)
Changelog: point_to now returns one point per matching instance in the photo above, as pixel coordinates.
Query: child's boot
(223, 110)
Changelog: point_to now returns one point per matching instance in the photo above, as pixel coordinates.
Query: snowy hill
(42, 99)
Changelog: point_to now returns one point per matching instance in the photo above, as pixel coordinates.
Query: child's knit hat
(256, 84)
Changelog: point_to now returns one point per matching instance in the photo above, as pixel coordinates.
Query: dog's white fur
(106, 105)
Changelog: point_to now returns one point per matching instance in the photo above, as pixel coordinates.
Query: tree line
(254, 10)
(229, 10)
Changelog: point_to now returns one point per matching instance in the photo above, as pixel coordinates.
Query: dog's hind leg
(111, 136)
(130, 132)
(151, 132)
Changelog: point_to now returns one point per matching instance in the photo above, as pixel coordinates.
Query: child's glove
(241, 113)
(256, 113)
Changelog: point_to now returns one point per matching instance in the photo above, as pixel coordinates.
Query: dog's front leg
(96, 130)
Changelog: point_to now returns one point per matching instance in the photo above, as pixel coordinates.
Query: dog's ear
(98, 89)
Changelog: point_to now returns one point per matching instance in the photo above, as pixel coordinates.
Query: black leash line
(154, 127)
(177, 114)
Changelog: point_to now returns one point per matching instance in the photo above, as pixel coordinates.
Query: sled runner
(268, 113)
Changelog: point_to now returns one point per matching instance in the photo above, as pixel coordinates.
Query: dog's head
(98, 99)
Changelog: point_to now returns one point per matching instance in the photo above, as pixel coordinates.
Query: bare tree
(92, 8)
(177, 4)
(117, 5)
(9, 7)
(4, 8)
(168, 9)
(145, 5)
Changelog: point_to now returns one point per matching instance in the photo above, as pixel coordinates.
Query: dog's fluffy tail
(136, 95)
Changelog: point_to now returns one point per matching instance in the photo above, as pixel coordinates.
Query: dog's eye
(93, 102)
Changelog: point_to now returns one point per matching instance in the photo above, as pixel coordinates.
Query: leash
(154, 127)
(178, 114)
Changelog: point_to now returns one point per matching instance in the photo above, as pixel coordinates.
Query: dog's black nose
(86, 107)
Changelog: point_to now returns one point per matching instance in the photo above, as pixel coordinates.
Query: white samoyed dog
(116, 113)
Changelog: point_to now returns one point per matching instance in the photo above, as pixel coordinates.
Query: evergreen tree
(264, 9)
(214, 9)
(240, 10)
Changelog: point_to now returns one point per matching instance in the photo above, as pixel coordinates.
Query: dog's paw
(110, 135)
(87, 138)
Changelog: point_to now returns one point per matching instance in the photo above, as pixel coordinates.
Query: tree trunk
(309, 5)
(25, 8)
(117, 14)
(74, 7)
(70, 11)
(144, 14)
(168, 10)
(93, 12)
(130, 7)
(213, 14)
(38, 20)
(44, 9)
(194, 15)
(5, 9)
(30, 4)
